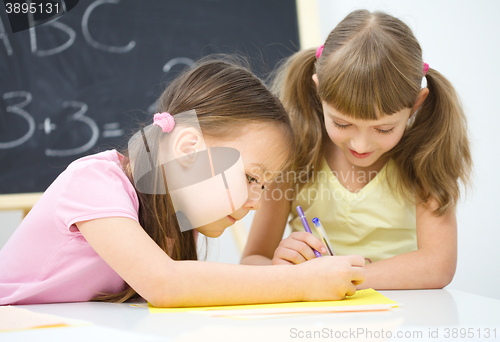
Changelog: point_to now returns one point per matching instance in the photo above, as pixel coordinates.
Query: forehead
(262, 146)
(382, 119)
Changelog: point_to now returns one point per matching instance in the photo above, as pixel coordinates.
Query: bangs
(366, 76)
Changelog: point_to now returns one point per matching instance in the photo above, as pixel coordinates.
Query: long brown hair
(370, 62)
(226, 97)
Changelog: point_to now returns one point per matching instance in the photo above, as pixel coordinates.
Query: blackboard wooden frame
(309, 36)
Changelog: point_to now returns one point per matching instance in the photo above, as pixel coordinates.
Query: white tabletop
(423, 313)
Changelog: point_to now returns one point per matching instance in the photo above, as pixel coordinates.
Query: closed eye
(381, 131)
(340, 126)
(251, 179)
(387, 131)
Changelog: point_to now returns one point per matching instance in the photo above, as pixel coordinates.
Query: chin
(361, 162)
(213, 234)
(212, 230)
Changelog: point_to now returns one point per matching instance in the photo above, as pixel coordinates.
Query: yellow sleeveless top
(372, 222)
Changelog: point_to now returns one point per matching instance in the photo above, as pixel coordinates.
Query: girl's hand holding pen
(297, 248)
(332, 278)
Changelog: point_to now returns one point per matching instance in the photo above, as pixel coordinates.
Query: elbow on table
(442, 277)
(167, 301)
(444, 280)
(170, 298)
(167, 290)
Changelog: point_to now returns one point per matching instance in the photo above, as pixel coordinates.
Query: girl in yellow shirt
(379, 157)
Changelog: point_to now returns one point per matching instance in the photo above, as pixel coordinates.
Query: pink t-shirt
(47, 260)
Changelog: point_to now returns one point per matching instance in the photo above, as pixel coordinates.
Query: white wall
(9, 220)
(460, 40)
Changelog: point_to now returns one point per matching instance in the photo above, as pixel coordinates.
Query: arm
(431, 266)
(265, 245)
(127, 248)
(267, 228)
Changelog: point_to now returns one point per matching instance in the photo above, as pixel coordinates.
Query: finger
(315, 243)
(356, 260)
(351, 290)
(358, 275)
(301, 253)
(290, 255)
(279, 261)
(301, 247)
(311, 240)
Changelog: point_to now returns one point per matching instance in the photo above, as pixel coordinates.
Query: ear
(315, 79)
(185, 145)
(420, 99)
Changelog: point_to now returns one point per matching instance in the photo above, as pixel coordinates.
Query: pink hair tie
(319, 51)
(426, 68)
(165, 121)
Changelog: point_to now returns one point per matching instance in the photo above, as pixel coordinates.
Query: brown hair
(370, 62)
(226, 97)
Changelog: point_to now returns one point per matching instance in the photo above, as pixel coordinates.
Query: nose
(254, 198)
(360, 144)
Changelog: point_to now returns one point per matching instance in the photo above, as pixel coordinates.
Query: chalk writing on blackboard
(78, 116)
(166, 68)
(5, 39)
(111, 130)
(71, 35)
(81, 83)
(94, 43)
(18, 109)
(43, 53)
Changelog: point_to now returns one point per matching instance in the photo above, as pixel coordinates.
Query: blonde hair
(371, 62)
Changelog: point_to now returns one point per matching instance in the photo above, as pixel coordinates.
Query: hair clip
(165, 121)
(319, 51)
(426, 68)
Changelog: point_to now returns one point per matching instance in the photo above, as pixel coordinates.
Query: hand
(297, 248)
(332, 277)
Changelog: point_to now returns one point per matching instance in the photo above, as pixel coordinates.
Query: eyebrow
(383, 124)
(260, 166)
(262, 169)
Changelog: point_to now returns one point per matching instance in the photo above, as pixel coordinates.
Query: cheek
(336, 135)
(388, 142)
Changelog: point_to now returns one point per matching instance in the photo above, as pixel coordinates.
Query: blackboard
(79, 84)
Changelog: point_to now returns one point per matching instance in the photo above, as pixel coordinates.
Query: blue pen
(306, 226)
(323, 236)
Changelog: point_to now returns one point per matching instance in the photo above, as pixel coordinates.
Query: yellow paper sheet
(368, 297)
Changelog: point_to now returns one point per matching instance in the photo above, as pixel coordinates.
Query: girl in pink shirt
(96, 235)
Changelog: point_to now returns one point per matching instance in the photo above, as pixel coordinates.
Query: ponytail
(433, 154)
(294, 85)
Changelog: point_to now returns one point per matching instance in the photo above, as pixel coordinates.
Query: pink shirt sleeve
(47, 259)
(95, 189)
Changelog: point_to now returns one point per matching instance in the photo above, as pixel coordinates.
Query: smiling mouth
(360, 155)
